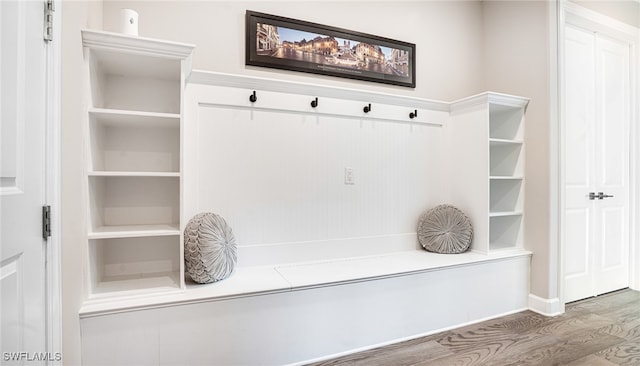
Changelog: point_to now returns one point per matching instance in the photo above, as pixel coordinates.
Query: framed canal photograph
(290, 44)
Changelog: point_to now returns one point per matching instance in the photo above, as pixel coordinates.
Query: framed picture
(290, 44)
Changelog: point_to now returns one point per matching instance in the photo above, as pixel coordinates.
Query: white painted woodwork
(23, 306)
(248, 281)
(597, 117)
(133, 163)
(486, 136)
(275, 170)
(298, 326)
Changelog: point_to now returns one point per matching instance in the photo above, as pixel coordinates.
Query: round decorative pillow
(445, 229)
(210, 251)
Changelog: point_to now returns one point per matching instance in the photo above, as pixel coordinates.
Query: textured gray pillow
(210, 251)
(445, 229)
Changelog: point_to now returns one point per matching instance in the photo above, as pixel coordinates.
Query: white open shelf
(505, 231)
(131, 174)
(505, 195)
(505, 160)
(136, 82)
(121, 265)
(505, 122)
(498, 142)
(133, 141)
(130, 201)
(129, 231)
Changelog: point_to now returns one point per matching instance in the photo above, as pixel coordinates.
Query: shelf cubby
(505, 122)
(505, 159)
(126, 203)
(134, 142)
(120, 265)
(505, 195)
(133, 81)
(505, 231)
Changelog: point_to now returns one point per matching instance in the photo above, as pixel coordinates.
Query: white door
(22, 183)
(596, 151)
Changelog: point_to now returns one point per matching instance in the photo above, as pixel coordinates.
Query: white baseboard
(546, 307)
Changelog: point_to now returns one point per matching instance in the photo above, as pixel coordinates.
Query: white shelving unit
(133, 171)
(506, 175)
(490, 125)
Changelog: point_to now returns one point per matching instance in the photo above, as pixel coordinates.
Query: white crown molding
(489, 98)
(582, 17)
(133, 44)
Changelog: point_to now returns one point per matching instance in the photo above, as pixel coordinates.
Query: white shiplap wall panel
(278, 177)
(263, 172)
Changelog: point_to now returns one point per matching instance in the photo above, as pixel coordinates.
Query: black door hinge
(46, 222)
(49, 8)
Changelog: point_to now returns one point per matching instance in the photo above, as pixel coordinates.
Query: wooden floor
(601, 331)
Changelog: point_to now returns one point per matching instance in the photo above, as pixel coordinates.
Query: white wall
(517, 51)
(448, 36)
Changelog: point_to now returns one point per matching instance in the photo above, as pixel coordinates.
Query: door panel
(579, 118)
(613, 95)
(612, 161)
(10, 285)
(612, 252)
(12, 93)
(578, 266)
(579, 170)
(22, 183)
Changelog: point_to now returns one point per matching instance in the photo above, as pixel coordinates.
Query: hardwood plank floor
(600, 331)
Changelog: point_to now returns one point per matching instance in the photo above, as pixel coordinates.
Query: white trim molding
(138, 45)
(53, 193)
(489, 98)
(546, 307)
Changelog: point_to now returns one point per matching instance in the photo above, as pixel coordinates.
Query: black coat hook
(413, 114)
(314, 103)
(367, 108)
(253, 97)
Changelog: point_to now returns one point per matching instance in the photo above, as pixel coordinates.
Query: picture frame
(290, 44)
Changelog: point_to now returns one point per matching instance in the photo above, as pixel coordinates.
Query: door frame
(53, 171)
(570, 13)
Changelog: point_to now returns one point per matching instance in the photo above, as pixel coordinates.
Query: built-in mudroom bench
(323, 199)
